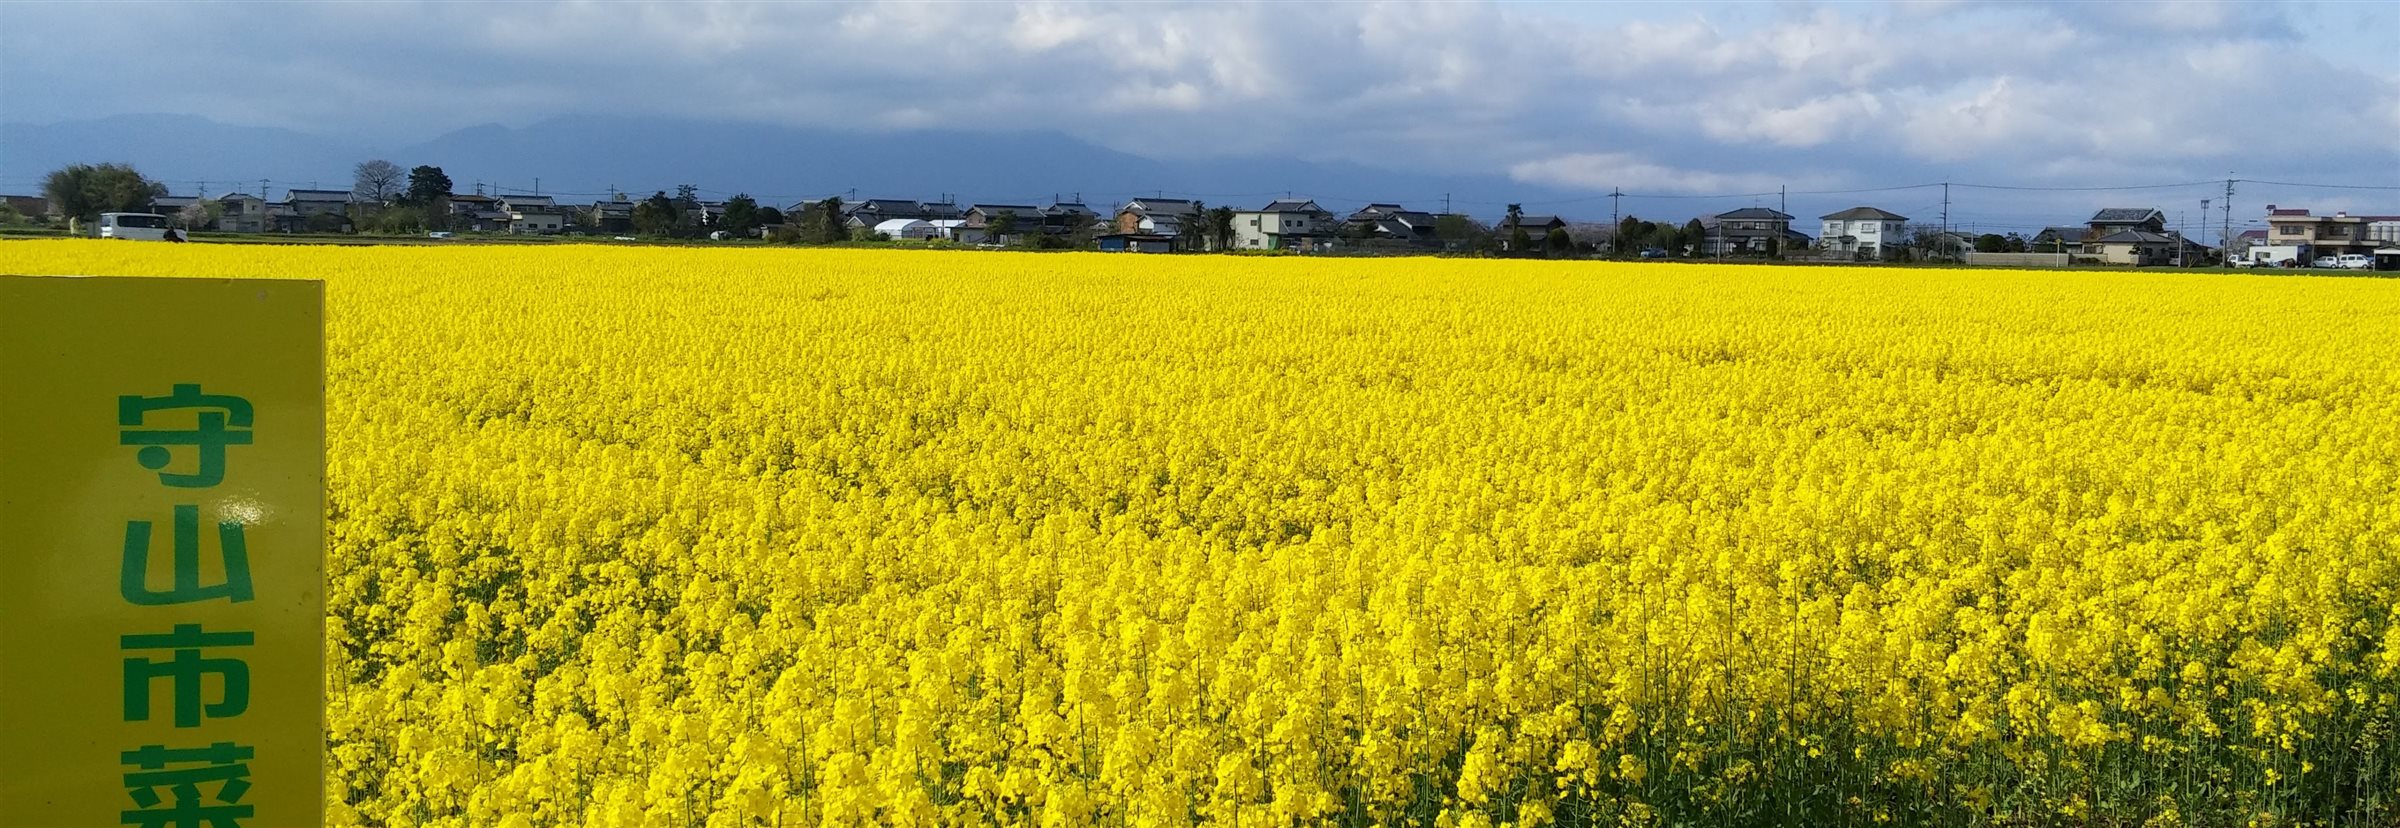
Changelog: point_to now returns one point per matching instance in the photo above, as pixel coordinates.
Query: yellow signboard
(162, 490)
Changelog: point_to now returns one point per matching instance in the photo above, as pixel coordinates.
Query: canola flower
(674, 537)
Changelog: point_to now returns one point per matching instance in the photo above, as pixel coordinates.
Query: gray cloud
(1682, 100)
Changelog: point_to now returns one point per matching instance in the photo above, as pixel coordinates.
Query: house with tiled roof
(1862, 232)
(614, 216)
(1747, 231)
(1068, 216)
(875, 211)
(2057, 240)
(1284, 224)
(1156, 216)
(2334, 235)
(1001, 223)
(2140, 248)
(1394, 222)
(2114, 219)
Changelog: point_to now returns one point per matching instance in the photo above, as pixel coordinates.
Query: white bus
(144, 226)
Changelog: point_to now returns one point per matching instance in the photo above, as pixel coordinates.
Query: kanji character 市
(222, 420)
(223, 764)
(133, 575)
(185, 671)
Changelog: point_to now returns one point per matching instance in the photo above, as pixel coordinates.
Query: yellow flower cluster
(683, 537)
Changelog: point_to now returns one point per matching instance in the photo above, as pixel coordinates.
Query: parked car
(1654, 253)
(2354, 261)
(438, 234)
(144, 226)
(2325, 261)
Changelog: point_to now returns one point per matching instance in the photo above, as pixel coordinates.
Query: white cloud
(1863, 92)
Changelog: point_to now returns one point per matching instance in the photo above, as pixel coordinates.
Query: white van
(2354, 261)
(144, 226)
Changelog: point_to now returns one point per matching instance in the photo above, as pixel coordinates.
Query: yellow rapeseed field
(685, 537)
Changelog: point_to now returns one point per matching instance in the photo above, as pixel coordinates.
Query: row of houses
(245, 213)
(2340, 234)
(2116, 235)
(1148, 224)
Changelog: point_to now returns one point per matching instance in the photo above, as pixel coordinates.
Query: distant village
(2112, 235)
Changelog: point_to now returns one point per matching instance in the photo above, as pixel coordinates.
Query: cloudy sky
(1658, 98)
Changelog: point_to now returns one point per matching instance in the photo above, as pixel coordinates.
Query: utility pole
(1945, 206)
(537, 185)
(2228, 229)
(2221, 251)
(262, 189)
(1445, 204)
(1779, 194)
(1615, 245)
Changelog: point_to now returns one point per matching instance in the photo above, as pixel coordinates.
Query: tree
(830, 212)
(328, 223)
(200, 214)
(1931, 243)
(83, 191)
(1220, 225)
(1002, 225)
(655, 216)
(1633, 234)
(401, 219)
(1192, 233)
(1694, 237)
(769, 217)
(428, 186)
(1991, 243)
(1458, 232)
(1517, 238)
(1558, 242)
(376, 182)
(741, 215)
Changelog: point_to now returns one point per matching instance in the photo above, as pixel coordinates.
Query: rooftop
(1756, 213)
(1864, 214)
(2126, 215)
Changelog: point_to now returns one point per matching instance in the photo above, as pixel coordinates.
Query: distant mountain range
(585, 156)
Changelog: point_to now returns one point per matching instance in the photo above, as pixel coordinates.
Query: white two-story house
(1282, 225)
(1864, 232)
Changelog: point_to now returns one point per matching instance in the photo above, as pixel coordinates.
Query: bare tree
(377, 182)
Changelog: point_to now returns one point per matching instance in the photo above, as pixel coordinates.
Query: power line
(2318, 186)
(2088, 189)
